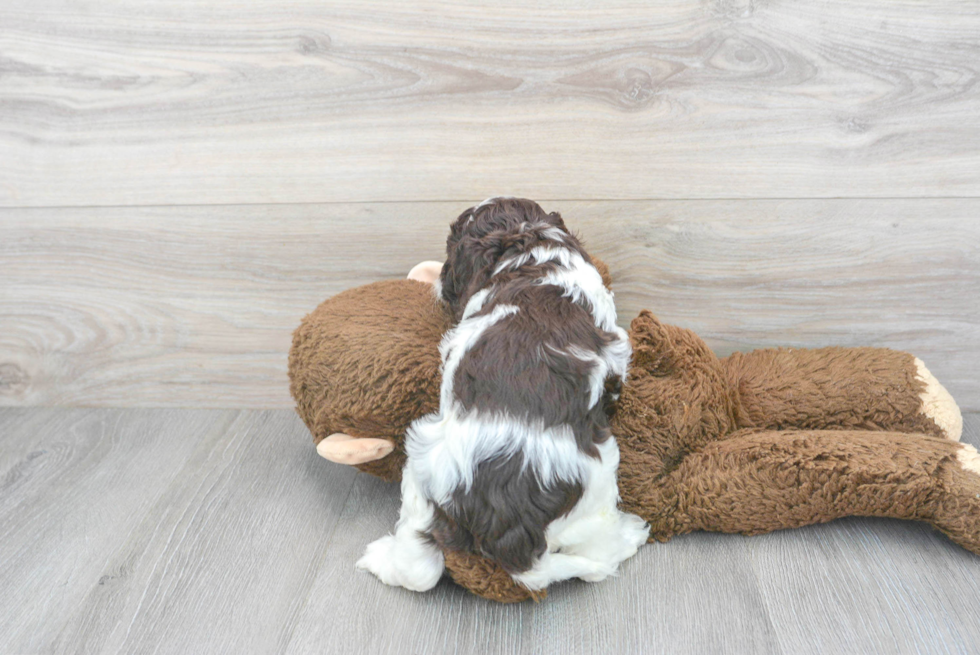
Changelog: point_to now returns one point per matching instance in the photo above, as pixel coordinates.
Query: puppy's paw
(411, 563)
(378, 559)
(635, 532)
(598, 571)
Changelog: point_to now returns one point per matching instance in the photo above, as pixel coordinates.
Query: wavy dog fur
(519, 461)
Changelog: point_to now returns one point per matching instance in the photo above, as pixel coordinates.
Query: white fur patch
(491, 200)
(578, 280)
(591, 540)
(581, 282)
(969, 458)
(539, 255)
(406, 559)
(444, 450)
(553, 233)
(938, 404)
(613, 359)
(476, 303)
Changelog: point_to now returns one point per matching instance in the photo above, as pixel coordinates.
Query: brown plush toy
(771, 439)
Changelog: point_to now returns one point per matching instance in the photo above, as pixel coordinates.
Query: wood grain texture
(194, 306)
(866, 585)
(204, 531)
(161, 531)
(658, 596)
(74, 486)
(125, 102)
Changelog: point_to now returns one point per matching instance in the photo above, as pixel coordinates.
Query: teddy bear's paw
(969, 458)
(410, 563)
(938, 404)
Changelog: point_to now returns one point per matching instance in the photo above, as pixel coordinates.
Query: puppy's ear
(463, 264)
(555, 219)
(469, 265)
(452, 275)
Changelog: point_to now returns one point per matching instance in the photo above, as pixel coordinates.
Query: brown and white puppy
(519, 464)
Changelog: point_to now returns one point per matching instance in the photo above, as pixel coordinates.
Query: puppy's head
(485, 235)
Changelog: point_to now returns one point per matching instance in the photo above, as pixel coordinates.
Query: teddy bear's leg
(841, 388)
(407, 558)
(756, 482)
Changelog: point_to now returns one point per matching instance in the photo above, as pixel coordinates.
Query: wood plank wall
(181, 182)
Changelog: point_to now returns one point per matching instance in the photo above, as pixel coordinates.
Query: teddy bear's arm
(834, 388)
(759, 481)
(486, 578)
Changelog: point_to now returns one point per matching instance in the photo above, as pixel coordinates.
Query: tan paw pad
(938, 404)
(345, 449)
(969, 458)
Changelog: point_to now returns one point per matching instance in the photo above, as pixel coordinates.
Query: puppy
(518, 464)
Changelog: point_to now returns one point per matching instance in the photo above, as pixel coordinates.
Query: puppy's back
(526, 405)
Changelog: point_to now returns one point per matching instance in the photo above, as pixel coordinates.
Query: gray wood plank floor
(215, 531)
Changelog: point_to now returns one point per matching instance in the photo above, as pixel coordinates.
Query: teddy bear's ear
(664, 350)
(647, 336)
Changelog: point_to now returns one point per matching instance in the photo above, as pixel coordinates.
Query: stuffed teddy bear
(755, 442)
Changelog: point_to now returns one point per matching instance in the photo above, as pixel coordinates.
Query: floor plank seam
(474, 200)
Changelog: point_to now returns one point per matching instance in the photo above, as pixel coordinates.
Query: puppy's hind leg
(555, 567)
(407, 558)
(595, 537)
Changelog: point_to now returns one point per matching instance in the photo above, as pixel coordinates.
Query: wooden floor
(210, 531)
